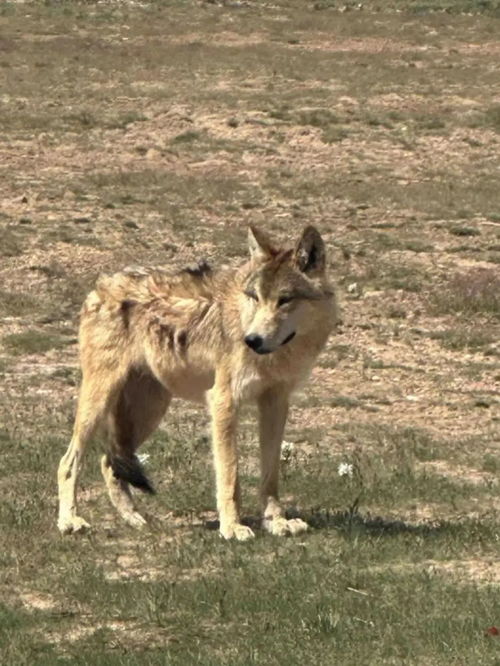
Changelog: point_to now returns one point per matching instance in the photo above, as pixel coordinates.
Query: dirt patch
(461, 472)
(37, 601)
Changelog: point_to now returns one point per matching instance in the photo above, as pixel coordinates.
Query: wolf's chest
(249, 380)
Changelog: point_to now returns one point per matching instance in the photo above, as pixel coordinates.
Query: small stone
(153, 154)
(130, 224)
(482, 402)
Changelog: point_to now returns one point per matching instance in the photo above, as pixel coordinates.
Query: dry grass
(474, 292)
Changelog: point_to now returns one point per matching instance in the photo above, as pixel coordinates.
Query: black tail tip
(131, 471)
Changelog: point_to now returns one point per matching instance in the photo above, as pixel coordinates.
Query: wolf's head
(286, 292)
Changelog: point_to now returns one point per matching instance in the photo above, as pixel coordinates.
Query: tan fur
(148, 336)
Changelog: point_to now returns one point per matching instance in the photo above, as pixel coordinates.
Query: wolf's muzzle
(256, 343)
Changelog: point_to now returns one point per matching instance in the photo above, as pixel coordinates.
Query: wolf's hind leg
(120, 496)
(137, 413)
(93, 403)
(67, 476)
(273, 410)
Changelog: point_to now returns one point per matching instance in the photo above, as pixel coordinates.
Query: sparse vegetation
(459, 230)
(32, 342)
(467, 337)
(10, 243)
(152, 133)
(14, 304)
(473, 292)
(186, 137)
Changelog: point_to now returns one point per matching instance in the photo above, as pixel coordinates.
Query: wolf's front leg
(224, 415)
(273, 410)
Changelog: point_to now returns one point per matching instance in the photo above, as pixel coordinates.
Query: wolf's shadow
(354, 522)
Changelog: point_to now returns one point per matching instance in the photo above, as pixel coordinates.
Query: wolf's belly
(190, 385)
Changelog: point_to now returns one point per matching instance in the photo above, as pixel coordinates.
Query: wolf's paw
(134, 519)
(72, 524)
(237, 531)
(281, 526)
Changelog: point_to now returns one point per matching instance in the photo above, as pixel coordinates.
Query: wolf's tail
(129, 469)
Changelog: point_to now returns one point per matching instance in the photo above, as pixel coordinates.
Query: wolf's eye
(283, 300)
(252, 294)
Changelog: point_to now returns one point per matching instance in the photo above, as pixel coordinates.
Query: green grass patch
(462, 230)
(11, 243)
(470, 337)
(33, 341)
(489, 118)
(15, 304)
(187, 137)
(395, 275)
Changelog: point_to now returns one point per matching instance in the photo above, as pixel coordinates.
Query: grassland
(154, 133)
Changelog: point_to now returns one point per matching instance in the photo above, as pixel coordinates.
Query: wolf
(223, 338)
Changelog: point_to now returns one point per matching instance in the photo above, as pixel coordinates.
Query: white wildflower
(345, 469)
(287, 448)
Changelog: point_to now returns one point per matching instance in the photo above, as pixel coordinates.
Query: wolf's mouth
(287, 339)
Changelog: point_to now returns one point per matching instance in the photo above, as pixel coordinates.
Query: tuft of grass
(476, 291)
(33, 341)
(316, 117)
(491, 463)
(461, 230)
(417, 245)
(395, 275)
(397, 312)
(489, 118)
(345, 401)
(334, 134)
(326, 119)
(470, 337)
(15, 303)
(187, 137)
(11, 244)
(84, 119)
(123, 119)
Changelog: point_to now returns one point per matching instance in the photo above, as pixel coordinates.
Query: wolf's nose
(254, 341)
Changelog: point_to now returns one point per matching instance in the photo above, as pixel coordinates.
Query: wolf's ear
(309, 253)
(259, 244)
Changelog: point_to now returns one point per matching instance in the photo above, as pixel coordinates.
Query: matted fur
(222, 338)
